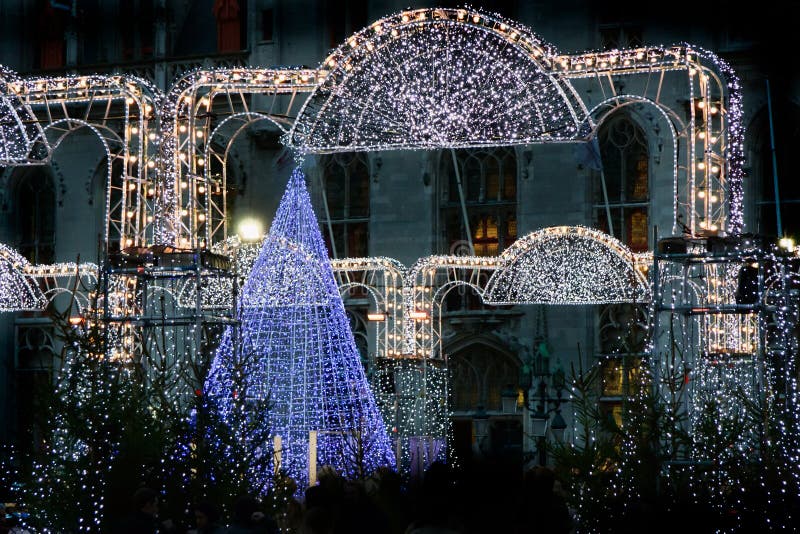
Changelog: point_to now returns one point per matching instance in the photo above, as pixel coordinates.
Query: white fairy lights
(120, 111)
(436, 78)
(363, 98)
(17, 292)
(567, 265)
(190, 200)
(18, 125)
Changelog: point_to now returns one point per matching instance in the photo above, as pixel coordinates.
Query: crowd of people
(444, 501)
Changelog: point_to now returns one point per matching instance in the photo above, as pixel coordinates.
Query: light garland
(732, 154)
(17, 292)
(567, 265)
(125, 124)
(362, 100)
(436, 78)
(725, 358)
(190, 203)
(18, 125)
(297, 350)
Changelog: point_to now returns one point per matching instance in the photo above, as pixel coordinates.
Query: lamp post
(540, 413)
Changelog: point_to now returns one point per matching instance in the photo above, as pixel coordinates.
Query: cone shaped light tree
(296, 349)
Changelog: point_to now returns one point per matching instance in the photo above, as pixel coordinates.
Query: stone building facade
(400, 204)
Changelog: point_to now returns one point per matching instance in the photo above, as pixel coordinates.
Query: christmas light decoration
(567, 265)
(18, 126)
(437, 78)
(189, 198)
(731, 152)
(17, 292)
(122, 112)
(296, 349)
(723, 366)
(409, 81)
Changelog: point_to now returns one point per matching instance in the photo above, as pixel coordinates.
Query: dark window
(35, 204)
(786, 125)
(52, 47)
(137, 30)
(479, 376)
(229, 24)
(346, 180)
(267, 24)
(621, 189)
(489, 186)
(34, 363)
(345, 19)
(620, 36)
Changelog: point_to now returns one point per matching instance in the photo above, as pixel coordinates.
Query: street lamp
(540, 414)
(509, 399)
(250, 230)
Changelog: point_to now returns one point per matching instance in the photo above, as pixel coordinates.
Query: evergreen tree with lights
(297, 350)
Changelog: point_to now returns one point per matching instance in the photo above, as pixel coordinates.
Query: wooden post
(312, 457)
(277, 447)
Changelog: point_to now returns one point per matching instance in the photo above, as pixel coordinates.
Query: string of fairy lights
(297, 350)
(18, 126)
(362, 98)
(16, 291)
(167, 194)
(724, 366)
(567, 265)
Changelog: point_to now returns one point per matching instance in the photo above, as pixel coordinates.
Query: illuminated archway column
(191, 202)
(63, 104)
(709, 173)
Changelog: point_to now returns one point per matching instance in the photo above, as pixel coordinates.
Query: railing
(160, 70)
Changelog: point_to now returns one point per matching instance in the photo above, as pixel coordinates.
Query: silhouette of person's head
(205, 514)
(145, 500)
(243, 510)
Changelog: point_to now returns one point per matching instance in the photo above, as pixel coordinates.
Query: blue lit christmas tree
(296, 350)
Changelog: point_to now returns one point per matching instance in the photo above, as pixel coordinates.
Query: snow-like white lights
(567, 265)
(432, 79)
(16, 291)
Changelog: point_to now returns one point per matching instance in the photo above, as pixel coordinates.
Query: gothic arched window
(479, 375)
(786, 121)
(35, 205)
(489, 186)
(346, 181)
(622, 188)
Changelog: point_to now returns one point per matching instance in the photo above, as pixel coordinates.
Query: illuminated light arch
(18, 124)
(185, 130)
(567, 265)
(373, 293)
(128, 103)
(438, 78)
(81, 300)
(17, 293)
(75, 279)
